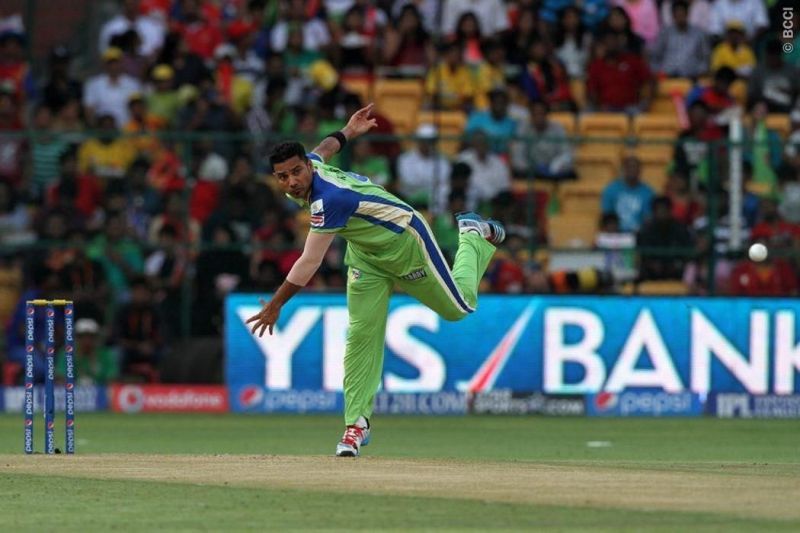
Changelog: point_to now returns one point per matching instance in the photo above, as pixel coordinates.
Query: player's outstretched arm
(359, 124)
(302, 271)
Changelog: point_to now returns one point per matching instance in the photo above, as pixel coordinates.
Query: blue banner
(555, 345)
(740, 405)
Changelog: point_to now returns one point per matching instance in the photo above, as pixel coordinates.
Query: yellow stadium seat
(663, 102)
(780, 122)
(361, 87)
(656, 126)
(654, 166)
(568, 230)
(609, 125)
(577, 198)
(400, 101)
(566, 119)
(450, 124)
(598, 163)
(662, 287)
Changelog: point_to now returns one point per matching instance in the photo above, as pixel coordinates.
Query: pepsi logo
(251, 396)
(50, 425)
(31, 311)
(68, 311)
(50, 313)
(70, 423)
(606, 400)
(70, 386)
(29, 348)
(68, 349)
(51, 351)
(29, 386)
(28, 423)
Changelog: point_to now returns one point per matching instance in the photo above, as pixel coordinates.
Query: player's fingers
(252, 318)
(263, 329)
(270, 329)
(366, 110)
(255, 327)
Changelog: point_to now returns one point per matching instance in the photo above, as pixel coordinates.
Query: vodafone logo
(130, 399)
(606, 400)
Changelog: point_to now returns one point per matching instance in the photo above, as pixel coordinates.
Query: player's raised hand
(360, 123)
(266, 318)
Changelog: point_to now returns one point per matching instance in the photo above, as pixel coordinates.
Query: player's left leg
(367, 305)
(453, 294)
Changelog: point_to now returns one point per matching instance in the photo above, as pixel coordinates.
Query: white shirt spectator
(751, 13)
(490, 176)
(315, 35)
(151, 31)
(105, 96)
(491, 14)
(419, 175)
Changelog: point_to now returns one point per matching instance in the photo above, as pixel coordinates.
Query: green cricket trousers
(418, 268)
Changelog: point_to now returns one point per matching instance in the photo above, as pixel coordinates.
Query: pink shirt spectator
(644, 17)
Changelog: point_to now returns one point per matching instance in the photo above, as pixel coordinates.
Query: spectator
(108, 93)
(201, 34)
(185, 230)
(734, 52)
(468, 37)
(12, 148)
(140, 334)
(550, 153)
(78, 189)
(164, 102)
(46, 150)
(166, 268)
(699, 14)
(450, 84)
(681, 49)
(15, 221)
(150, 29)
(407, 43)
(619, 22)
(691, 149)
(232, 213)
(120, 255)
(316, 36)
(518, 41)
(666, 243)
(772, 277)
(777, 233)
(139, 129)
(132, 63)
(644, 18)
(246, 62)
(108, 155)
(628, 197)
(83, 275)
(789, 207)
(492, 15)
(422, 170)
(95, 361)
(544, 78)
(685, 207)
(14, 69)
(490, 174)
(354, 51)
(206, 192)
(491, 72)
(260, 197)
(190, 69)
(765, 154)
(60, 86)
(752, 13)
(207, 112)
(593, 12)
(775, 81)
(573, 42)
(716, 97)
(495, 122)
(619, 80)
(366, 163)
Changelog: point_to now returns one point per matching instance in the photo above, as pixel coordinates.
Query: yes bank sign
(530, 343)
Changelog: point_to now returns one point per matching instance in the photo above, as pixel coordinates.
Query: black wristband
(339, 136)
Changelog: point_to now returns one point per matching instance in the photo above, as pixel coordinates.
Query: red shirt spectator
(615, 81)
(772, 278)
(83, 192)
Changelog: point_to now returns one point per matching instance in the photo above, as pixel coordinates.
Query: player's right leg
(453, 294)
(367, 305)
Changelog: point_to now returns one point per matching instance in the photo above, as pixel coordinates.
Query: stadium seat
(566, 119)
(400, 101)
(654, 165)
(662, 287)
(450, 124)
(598, 163)
(577, 198)
(780, 122)
(608, 125)
(10, 288)
(656, 126)
(667, 88)
(361, 86)
(568, 230)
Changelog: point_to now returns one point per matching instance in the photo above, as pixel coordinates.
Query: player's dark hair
(285, 151)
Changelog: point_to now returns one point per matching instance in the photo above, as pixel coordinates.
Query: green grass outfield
(229, 472)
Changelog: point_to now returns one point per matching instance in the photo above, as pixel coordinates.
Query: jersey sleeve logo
(317, 214)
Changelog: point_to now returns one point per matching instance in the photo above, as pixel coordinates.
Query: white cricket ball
(757, 252)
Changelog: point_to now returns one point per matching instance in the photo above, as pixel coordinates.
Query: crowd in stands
(140, 190)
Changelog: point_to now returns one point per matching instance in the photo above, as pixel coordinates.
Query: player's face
(294, 176)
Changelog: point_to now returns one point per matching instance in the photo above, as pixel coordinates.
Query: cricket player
(388, 244)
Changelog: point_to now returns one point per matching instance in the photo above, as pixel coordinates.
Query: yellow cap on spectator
(112, 53)
(163, 73)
